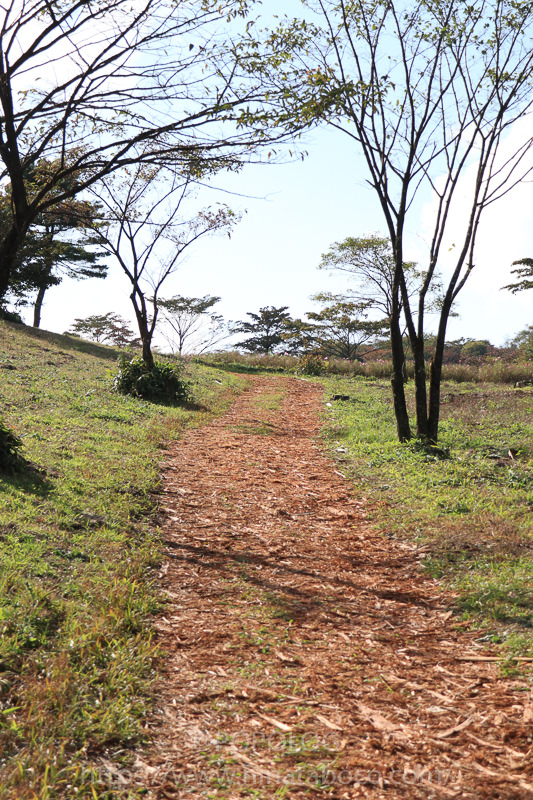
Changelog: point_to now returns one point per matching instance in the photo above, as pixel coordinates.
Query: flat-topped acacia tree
(264, 329)
(427, 91)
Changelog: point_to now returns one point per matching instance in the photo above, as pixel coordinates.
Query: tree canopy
(95, 87)
(524, 274)
(192, 322)
(57, 245)
(369, 263)
(265, 329)
(341, 326)
(107, 328)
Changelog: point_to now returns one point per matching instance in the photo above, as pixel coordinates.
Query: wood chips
(304, 653)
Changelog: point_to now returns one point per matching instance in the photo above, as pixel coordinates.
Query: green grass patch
(78, 543)
(469, 501)
(271, 400)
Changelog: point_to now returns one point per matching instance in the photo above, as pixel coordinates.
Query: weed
(311, 365)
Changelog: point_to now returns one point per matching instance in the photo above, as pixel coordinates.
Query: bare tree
(193, 323)
(145, 230)
(427, 91)
(94, 87)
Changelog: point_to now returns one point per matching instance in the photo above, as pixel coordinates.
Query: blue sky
(294, 212)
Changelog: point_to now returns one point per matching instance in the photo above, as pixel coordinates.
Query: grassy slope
(77, 541)
(469, 502)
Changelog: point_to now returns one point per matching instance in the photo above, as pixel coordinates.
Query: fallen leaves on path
(303, 652)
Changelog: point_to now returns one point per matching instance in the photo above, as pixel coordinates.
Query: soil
(304, 652)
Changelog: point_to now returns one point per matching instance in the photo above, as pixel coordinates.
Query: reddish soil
(304, 652)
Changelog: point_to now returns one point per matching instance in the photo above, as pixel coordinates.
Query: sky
(292, 213)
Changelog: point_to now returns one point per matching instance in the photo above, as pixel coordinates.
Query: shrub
(10, 316)
(311, 365)
(10, 446)
(475, 349)
(163, 383)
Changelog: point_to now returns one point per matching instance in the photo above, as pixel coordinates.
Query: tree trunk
(145, 334)
(38, 307)
(397, 381)
(8, 253)
(148, 357)
(434, 398)
(436, 368)
(422, 430)
(436, 377)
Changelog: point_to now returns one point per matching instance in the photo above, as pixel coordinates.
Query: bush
(9, 449)
(10, 316)
(163, 383)
(475, 349)
(311, 365)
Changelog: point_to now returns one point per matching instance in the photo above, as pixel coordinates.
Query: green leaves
(525, 275)
(266, 329)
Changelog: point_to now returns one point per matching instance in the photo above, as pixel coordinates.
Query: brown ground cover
(303, 653)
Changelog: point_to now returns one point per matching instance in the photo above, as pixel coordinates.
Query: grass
(468, 501)
(481, 370)
(78, 545)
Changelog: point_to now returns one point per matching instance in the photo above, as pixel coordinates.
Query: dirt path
(304, 653)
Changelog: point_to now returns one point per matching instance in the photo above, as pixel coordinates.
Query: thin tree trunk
(397, 381)
(420, 389)
(38, 306)
(141, 314)
(8, 253)
(434, 398)
(436, 372)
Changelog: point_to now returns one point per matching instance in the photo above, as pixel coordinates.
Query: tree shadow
(193, 406)
(27, 477)
(302, 600)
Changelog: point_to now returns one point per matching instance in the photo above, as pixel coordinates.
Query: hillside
(77, 542)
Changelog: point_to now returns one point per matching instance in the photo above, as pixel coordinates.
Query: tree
(95, 87)
(56, 246)
(523, 341)
(525, 275)
(144, 230)
(266, 329)
(475, 349)
(107, 328)
(299, 336)
(427, 91)
(342, 326)
(369, 262)
(191, 320)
